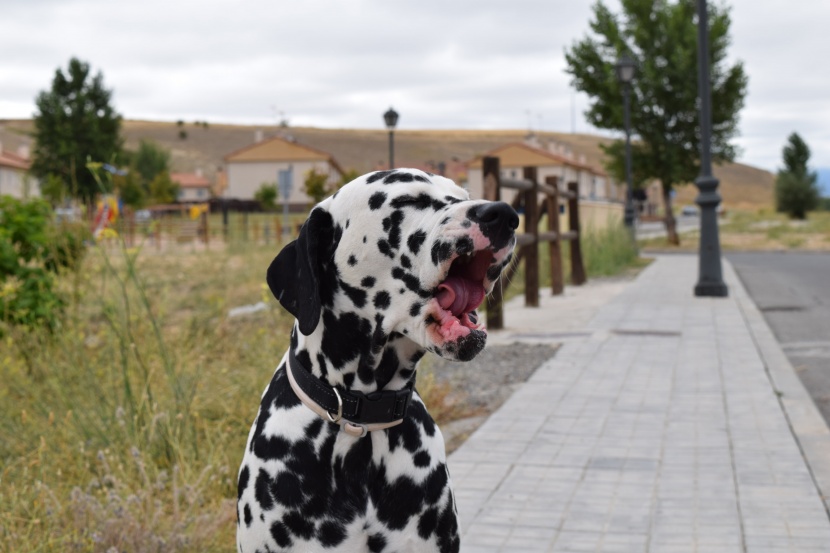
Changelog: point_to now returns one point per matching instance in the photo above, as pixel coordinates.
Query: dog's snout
(497, 221)
(496, 214)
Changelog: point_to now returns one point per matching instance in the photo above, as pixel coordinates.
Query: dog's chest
(305, 484)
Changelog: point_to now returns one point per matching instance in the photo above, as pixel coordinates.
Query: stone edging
(805, 420)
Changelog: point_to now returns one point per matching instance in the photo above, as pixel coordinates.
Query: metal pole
(710, 276)
(629, 192)
(391, 149)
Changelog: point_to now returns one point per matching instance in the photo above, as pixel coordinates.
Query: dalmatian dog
(343, 455)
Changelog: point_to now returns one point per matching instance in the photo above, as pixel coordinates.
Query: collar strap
(357, 413)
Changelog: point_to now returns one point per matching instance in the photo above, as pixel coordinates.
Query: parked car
(689, 211)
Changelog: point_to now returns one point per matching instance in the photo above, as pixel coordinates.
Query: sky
(442, 64)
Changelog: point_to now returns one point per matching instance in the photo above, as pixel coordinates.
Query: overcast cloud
(341, 63)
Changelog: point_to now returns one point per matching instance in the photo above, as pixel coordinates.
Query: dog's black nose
(497, 221)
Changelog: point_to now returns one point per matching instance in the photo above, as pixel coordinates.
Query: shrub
(267, 196)
(31, 251)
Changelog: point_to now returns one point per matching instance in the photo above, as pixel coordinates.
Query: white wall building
(264, 161)
(14, 177)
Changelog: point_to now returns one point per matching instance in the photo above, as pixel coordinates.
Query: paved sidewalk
(655, 428)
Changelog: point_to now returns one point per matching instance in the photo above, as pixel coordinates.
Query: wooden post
(206, 228)
(277, 230)
(532, 249)
(225, 220)
(245, 227)
(491, 176)
(557, 279)
(577, 268)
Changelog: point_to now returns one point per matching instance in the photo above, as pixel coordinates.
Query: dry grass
(124, 430)
(761, 230)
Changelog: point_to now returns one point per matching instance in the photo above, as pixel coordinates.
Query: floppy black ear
(295, 274)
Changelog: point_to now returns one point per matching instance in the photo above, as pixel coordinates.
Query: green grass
(605, 252)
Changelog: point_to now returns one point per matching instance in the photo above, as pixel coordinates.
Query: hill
(742, 186)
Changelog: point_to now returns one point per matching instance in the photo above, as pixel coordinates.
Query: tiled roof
(190, 180)
(8, 159)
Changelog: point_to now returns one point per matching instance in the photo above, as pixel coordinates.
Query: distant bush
(267, 196)
(32, 250)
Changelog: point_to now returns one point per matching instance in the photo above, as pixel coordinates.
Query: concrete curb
(806, 423)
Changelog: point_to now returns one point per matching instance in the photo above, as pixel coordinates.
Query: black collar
(388, 406)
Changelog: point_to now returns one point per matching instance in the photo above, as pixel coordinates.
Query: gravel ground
(486, 382)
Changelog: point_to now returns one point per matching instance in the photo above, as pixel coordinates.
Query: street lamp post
(391, 119)
(625, 69)
(710, 278)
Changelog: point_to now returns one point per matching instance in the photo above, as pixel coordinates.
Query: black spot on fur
(466, 223)
(400, 500)
(286, 489)
(410, 281)
(367, 282)
(271, 447)
(357, 295)
(244, 476)
(299, 525)
(405, 262)
(421, 178)
(406, 373)
(280, 534)
(376, 200)
(364, 239)
(321, 361)
(440, 252)
(420, 202)
(376, 542)
(398, 176)
(415, 240)
(452, 199)
(247, 515)
(382, 300)
(415, 309)
(352, 261)
(348, 380)
(376, 176)
(332, 534)
(344, 337)
(385, 248)
(435, 483)
(421, 459)
(428, 522)
(464, 245)
(262, 490)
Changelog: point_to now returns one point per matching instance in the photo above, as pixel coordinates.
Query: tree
(267, 196)
(149, 160)
(75, 121)
(796, 188)
(661, 36)
(163, 190)
(316, 185)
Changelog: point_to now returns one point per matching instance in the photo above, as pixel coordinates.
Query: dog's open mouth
(460, 294)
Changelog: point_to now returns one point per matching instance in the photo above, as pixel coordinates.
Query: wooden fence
(527, 243)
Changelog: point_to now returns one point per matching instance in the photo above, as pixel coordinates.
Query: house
(278, 161)
(555, 160)
(14, 177)
(600, 199)
(193, 187)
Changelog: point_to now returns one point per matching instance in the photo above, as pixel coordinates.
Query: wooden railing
(527, 249)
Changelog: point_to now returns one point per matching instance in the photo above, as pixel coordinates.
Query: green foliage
(267, 196)
(662, 38)
(609, 250)
(796, 188)
(54, 189)
(316, 185)
(149, 160)
(75, 121)
(130, 189)
(31, 251)
(163, 190)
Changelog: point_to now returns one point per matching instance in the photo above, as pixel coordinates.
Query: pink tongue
(458, 295)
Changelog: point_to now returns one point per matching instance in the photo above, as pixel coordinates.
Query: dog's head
(402, 250)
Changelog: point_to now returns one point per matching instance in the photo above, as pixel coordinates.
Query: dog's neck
(380, 362)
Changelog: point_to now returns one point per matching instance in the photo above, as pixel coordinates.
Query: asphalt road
(792, 290)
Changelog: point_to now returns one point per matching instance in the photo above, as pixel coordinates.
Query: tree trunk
(671, 222)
